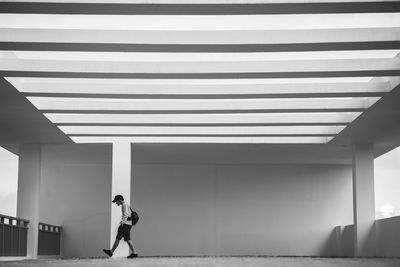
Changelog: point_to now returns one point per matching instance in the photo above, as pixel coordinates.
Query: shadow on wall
(385, 233)
(340, 242)
(332, 245)
(346, 241)
(90, 241)
(388, 237)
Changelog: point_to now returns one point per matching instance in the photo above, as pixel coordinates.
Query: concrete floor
(208, 262)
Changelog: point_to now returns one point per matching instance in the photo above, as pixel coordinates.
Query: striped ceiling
(185, 71)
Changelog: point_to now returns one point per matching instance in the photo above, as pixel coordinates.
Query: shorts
(124, 231)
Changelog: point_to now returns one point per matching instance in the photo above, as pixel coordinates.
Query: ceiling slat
(187, 7)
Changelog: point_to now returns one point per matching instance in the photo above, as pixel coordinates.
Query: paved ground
(208, 262)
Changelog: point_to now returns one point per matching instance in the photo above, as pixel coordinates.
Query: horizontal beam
(192, 48)
(225, 140)
(207, 111)
(199, 57)
(26, 82)
(203, 135)
(200, 67)
(113, 104)
(141, 40)
(201, 7)
(211, 96)
(205, 119)
(255, 130)
(203, 76)
(196, 88)
(205, 124)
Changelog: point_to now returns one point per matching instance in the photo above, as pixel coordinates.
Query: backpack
(134, 217)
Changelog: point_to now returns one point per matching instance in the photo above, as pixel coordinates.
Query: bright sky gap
(63, 103)
(218, 119)
(188, 57)
(200, 22)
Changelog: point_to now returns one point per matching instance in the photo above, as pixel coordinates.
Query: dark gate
(49, 239)
(13, 236)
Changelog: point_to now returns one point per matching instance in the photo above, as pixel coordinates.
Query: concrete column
(363, 200)
(29, 192)
(121, 185)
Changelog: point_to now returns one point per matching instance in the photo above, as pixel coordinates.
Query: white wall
(76, 194)
(241, 209)
(196, 205)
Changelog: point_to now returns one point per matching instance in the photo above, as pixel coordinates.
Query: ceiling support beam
(220, 8)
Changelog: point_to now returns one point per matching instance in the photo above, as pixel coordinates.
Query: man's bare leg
(116, 243)
(131, 248)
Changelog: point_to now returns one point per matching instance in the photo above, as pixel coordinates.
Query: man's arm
(125, 213)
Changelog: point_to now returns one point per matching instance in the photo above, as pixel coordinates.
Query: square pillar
(363, 200)
(121, 185)
(29, 171)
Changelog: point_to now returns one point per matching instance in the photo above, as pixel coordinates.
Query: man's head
(118, 199)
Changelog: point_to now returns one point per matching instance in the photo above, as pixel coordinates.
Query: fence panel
(13, 236)
(49, 239)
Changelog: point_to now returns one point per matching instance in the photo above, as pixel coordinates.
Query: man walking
(124, 229)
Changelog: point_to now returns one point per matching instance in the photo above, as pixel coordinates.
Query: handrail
(19, 221)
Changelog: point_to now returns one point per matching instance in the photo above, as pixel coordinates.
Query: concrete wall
(76, 193)
(388, 237)
(198, 206)
(241, 209)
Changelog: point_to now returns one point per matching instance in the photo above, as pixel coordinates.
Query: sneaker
(133, 255)
(108, 252)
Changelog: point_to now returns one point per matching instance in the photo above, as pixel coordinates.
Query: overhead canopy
(286, 72)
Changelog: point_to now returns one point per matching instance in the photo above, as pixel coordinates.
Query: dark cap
(118, 197)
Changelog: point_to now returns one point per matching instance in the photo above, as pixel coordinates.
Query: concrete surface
(239, 209)
(209, 262)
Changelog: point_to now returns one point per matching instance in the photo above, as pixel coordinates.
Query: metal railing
(49, 239)
(13, 236)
